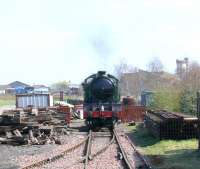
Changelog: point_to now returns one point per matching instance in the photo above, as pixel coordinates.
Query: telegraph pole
(198, 116)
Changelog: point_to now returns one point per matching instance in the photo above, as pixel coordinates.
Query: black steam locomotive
(101, 99)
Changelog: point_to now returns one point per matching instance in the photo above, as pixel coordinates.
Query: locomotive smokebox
(102, 88)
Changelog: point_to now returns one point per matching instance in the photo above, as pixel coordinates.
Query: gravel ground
(66, 161)
(9, 154)
(15, 157)
(107, 160)
(98, 143)
(129, 150)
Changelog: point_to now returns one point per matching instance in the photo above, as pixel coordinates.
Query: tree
(166, 99)
(121, 71)
(61, 86)
(123, 67)
(188, 102)
(192, 77)
(190, 84)
(155, 65)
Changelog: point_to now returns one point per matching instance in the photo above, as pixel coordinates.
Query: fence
(132, 113)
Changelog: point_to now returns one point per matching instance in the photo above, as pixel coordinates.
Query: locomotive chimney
(101, 72)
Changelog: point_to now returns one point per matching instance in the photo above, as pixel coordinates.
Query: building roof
(17, 84)
(39, 86)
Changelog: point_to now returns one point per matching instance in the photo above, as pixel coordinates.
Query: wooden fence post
(198, 116)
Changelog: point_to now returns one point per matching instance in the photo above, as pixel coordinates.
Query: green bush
(166, 99)
(188, 102)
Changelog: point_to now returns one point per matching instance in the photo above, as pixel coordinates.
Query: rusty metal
(144, 165)
(88, 151)
(145, 162)
(170, 125)
(66, 110)
(128, 101)
(132, 113)
(61, 96)
(122, 150)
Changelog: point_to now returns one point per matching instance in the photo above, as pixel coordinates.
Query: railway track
(56, 157)
(132, 159)
(98, 150)
(95, 135)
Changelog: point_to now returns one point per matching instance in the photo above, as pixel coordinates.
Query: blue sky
(44, 41)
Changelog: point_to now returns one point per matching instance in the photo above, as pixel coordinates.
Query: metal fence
(132, 113)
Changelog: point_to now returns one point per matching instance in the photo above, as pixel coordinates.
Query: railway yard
(103, 151)
(104, 131)
(99, 84)
(53, 144)
(81, 148)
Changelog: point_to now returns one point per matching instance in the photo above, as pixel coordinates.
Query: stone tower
(182, 68)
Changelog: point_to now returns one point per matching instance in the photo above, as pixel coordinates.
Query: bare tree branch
(155, 65)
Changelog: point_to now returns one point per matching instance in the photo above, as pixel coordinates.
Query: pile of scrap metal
(37, 136)
(76, 110)
(33, 126)
(50, 116)
(171, 125)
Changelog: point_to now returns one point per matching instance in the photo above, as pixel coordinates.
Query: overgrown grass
(7, 100)
(166, 154)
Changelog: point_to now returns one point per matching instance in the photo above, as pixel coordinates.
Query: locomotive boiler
(101, 99)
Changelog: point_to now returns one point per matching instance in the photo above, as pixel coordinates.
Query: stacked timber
(170, 125)
(33, 126)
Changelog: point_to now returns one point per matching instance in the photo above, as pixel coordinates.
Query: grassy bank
(166, 154)
(7, 101)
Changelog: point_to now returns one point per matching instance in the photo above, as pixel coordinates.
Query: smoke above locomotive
(101, 99)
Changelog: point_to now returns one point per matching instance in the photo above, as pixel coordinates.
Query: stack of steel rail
(170, 125)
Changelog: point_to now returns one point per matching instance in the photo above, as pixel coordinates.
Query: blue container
(19, 90)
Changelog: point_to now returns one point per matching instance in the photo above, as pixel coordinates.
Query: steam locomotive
(101, 99)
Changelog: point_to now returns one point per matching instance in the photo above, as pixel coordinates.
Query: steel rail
(103, 149)
(88, 151)
(122, 151)
(145, 162)
(92, 156)
(56, 157)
